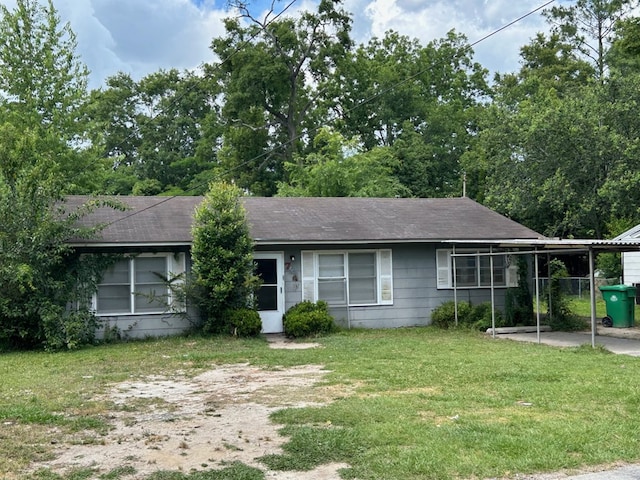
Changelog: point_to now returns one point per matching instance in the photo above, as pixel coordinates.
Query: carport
(548, 248)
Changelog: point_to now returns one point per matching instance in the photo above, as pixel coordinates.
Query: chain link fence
(578, 286)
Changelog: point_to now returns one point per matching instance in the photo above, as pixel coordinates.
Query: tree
(624, 55)
(588, 25)
(42, 158)
(273, 74)
(40, 303)
(548, 63)
(222, 255)
(421, 102)
(338, 168)
(150, 131)
(394, 83)
(43, 85)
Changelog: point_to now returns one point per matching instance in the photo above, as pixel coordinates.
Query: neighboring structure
(630, 260)
(378, 262)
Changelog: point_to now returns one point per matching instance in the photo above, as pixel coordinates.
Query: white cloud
(142, 36)
(427, 21)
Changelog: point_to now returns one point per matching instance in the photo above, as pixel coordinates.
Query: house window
(473, 269)
(348, 278)
(139, 285)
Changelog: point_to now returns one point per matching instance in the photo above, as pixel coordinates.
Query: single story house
(378, 262)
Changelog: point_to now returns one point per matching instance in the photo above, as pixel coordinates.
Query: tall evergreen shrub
(222, 254)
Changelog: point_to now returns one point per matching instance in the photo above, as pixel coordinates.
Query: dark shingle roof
(377, 219)
(168, 220)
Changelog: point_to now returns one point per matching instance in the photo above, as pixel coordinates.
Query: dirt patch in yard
(199, 423)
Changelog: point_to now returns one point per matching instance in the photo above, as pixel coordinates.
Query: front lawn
(422, 403)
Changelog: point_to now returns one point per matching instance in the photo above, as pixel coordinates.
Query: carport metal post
(493, 297)
(455, 290)
(592, 297)
(535, 257)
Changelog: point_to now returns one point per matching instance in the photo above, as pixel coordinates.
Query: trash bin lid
(616, 288)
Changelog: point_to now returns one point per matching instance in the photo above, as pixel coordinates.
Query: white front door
(270, 268)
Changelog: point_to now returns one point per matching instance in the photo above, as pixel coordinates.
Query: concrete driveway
(623, 341)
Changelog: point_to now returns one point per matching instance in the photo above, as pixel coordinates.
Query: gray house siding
(142, 326)
(415, 294)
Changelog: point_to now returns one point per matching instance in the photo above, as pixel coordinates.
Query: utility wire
(178, 98)
(355, 107)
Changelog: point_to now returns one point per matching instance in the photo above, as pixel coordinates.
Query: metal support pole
(535, 256)
(455, 290)
(592, 296)
(493, 299)
(549, 302)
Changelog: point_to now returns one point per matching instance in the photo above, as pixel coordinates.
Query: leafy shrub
(559, 313)
(222, 253)
(242, 322)
(477, 317)
(307, 318)
(480, 317)
(445, 317)
(518, 309)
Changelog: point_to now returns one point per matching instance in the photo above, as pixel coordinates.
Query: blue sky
(142, 36)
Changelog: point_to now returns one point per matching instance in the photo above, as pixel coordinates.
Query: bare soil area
(200, 423)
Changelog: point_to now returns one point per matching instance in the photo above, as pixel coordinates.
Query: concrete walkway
(622, 344)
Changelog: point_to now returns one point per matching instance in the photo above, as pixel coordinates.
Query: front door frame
(272, 319)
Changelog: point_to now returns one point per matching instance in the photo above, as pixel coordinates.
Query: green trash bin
(620, 301)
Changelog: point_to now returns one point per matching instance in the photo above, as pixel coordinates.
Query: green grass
(582, 307)
(426, 404)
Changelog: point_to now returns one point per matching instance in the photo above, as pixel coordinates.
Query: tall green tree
(273, 74)
(340, 168)
(222, 255)
(40, 301)
(42, 158)
(149, 131)
(420, 101)
(588, 25)
(44, 87)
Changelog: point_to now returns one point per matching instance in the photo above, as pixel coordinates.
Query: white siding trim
(309, 275)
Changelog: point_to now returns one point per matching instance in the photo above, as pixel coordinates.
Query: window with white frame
(139, 285)
(355, 277)
(473, 269)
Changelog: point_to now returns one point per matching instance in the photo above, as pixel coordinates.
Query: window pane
(466, 272)
(362, 265)
(150, 290)
(266, 270)
(331, 265)
(267, 298)
(118, 273)
(362, 290)
(114, 299)
(150, 269)
(149, 298)
(362, 278)
(332, 291)
(499, 272)
(114, 292)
